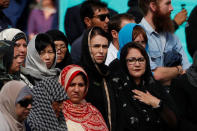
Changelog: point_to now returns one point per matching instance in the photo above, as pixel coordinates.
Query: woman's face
(23, 107)
(16, 63)
(140, 39)
(136, 63)
(99, 47)
(21, 48)
(76, 90)
(57, 107)
(48, 56)
(61, 49)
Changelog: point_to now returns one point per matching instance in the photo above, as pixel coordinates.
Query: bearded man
(161, 40)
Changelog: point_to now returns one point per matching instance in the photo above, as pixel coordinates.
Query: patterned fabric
(85, 114)
(42, 116)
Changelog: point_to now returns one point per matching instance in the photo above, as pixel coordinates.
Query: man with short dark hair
(159, 28)
(114, 26)
(93, 13)
(4, 20)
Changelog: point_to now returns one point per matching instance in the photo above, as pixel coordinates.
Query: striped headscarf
(42, 116)
(68, 73)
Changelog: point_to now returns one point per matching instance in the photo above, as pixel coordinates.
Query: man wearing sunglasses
(92, 13)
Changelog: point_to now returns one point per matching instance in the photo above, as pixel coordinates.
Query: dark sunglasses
(25, 102)
(102, 17)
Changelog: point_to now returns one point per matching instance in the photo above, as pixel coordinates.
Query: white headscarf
(9, 34)
(34, 66)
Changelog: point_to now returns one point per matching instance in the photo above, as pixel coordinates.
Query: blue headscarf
(125, 36)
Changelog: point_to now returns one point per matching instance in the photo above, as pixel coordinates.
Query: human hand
(184, 71)
(146, 98)
(181, 17)
(180, 70)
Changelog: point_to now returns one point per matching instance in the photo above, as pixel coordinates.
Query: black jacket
(191, 31)
(185, 96)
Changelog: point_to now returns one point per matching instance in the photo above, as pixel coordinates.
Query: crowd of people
(125, 72)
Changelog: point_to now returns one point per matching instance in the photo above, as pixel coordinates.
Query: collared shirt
(156, 42)
(111, 54)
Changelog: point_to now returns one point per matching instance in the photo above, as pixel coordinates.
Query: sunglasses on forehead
(103, 16)
(25, 102)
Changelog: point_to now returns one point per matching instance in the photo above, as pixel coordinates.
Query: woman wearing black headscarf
(100, 93)
(9, 62)
(184, 92)
(61, 45)
(144, 104)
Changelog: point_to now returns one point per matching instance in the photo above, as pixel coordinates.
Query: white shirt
(111, 54)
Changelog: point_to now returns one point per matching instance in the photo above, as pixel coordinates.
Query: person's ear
(88, 22)
(114, 34)
(153, 6)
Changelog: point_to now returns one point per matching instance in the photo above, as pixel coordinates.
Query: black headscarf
(87, 62)
(57, 35)
(147, 77)
(192, 71)
(6, 59)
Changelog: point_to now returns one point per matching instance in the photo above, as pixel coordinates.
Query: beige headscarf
(8, 97)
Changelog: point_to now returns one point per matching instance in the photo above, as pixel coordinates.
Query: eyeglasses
(133, 60)
(97, 46)
(25, 102)
(61, 47)
(102, 17)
